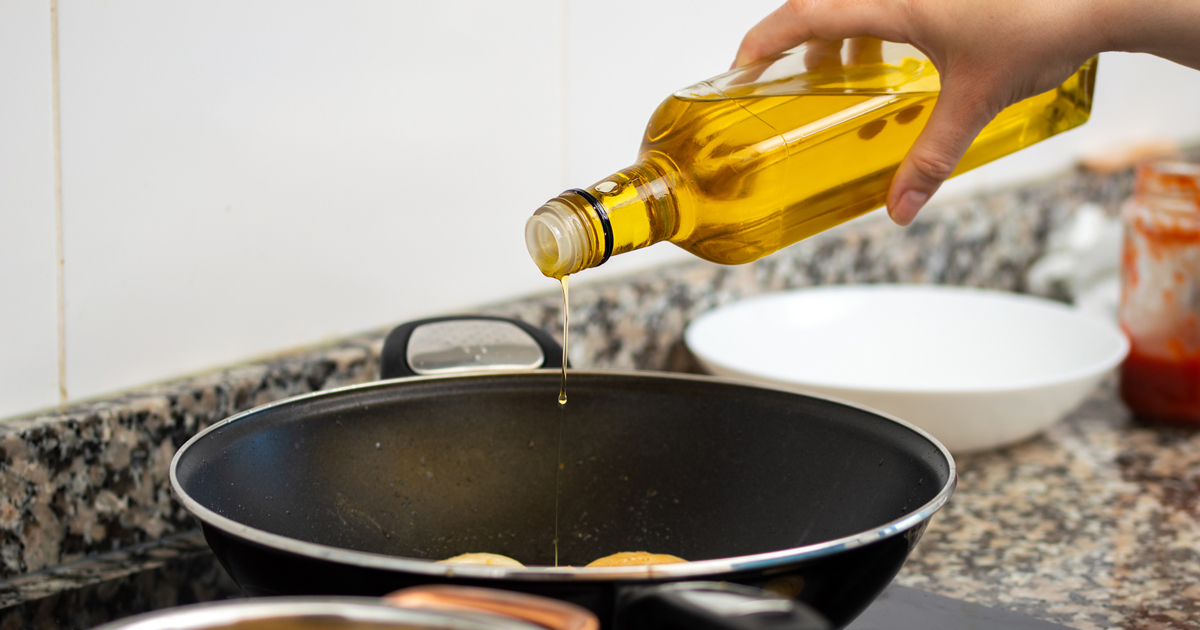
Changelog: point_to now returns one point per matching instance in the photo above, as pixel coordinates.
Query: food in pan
(622, 559)
(631, 558)
(493, 559)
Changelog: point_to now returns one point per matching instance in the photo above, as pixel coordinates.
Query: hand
(989, 54)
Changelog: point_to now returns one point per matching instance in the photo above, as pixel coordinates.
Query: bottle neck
(631, 209)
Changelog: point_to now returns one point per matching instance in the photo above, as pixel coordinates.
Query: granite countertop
(1091, 524)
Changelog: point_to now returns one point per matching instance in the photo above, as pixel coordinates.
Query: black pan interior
(435, 468)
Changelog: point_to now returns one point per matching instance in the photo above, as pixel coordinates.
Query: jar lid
(1176, 181)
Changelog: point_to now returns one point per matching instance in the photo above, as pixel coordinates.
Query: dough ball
(492, 559)
(630, 558)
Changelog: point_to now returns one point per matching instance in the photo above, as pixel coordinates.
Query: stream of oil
(562, 405)
(562, 386)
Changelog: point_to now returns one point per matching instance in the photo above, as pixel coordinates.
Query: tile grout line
(58, 214)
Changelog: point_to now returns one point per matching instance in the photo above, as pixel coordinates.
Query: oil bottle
(736, 167)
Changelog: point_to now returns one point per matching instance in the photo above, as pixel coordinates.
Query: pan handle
(466, 343)
(543, 611)
(712, 606)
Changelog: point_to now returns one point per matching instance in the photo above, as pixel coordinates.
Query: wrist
(1166, 28)
(1108, 26)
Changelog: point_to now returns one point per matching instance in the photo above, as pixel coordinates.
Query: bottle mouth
(556, 240)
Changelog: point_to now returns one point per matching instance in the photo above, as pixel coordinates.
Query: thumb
(960, 114)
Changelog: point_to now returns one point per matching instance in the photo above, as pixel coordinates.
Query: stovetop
(903, 608)
(181, 570)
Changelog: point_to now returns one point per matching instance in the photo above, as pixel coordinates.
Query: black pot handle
(466, 343)
(712, 606)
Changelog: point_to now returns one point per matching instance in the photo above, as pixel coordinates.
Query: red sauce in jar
(1166, 389)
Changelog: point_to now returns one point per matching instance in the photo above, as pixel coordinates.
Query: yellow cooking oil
(736, 167)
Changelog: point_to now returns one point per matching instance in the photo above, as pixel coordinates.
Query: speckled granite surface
(93, 477)
(1091, 525)
(172, 571)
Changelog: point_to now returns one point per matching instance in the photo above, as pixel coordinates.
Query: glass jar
(1160, 293)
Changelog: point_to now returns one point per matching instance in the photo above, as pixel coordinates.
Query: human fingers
(865, 50)
(798, 21)
(781, 30)
(824, 56)
(961, 112)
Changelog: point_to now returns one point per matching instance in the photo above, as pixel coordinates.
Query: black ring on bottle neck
(608, 235)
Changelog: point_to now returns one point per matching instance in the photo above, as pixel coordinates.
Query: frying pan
(358, 490)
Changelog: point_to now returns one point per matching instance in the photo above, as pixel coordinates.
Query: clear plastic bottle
(1160, 294)
(753, 160)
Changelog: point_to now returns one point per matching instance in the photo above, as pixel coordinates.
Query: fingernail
(911, 202)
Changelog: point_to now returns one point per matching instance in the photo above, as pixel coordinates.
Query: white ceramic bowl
(975, 368)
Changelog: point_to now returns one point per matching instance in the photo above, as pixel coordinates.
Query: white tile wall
(243, 177)
(28, 286)
(246, 176)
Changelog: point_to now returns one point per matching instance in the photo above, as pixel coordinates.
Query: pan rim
(694, 569)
